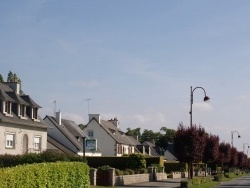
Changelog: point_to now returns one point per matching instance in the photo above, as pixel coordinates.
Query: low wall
(135, 178)
(128, 179)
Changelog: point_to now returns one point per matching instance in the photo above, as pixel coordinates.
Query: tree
(1, 78)
(224, 154)
(134, 132)
(211, 151)
(81, 126)
(189, 145)
(170, 133)
(234, 157)
(149, 135)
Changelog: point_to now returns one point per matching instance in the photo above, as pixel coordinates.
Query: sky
(135, 60)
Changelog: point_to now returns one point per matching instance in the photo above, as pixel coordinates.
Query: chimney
(15, 86)
(114, 121)
(96, 116)
(59, 118)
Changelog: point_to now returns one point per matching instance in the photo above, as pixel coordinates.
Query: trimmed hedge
(49, 175)
(174, 167)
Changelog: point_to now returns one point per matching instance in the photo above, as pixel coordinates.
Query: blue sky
(136, 60)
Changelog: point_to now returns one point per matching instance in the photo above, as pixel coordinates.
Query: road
(243, 182)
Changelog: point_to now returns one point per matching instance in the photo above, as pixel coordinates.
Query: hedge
(49, 175)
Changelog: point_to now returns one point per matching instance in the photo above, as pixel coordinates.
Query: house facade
(21, 129)
(111, 140)
(65, 136)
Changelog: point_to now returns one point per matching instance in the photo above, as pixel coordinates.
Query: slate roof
(169, 153)
(116, 133)
(70, 130)
(7, 94)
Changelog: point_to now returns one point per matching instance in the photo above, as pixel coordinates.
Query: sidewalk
(168, 183)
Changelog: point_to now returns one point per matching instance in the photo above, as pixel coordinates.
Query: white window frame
(7, 108)
(34, 114)
(22, 111)
(10, 140)
(37, 142)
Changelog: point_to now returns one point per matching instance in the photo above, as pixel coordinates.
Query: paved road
(169, 183)
(243, 182)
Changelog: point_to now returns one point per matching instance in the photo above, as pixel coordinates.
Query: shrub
(218, 177)
(158, 167)
(136, 161)
(103, 168)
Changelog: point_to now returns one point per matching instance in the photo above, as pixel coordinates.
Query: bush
(60, 174)
(158, 167)
(103, 168)
(218, 177)
(136, 161)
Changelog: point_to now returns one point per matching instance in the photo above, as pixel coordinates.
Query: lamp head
(206, 98)
(239, 137)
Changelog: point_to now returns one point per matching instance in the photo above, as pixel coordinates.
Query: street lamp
(206, 98)
(232, 138)
(244, 147)
(83, 149)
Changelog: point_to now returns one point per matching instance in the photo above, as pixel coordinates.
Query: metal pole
(191, 108)
(83, 150)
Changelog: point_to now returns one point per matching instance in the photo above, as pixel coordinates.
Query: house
(21, 129)
(112, 141)
(65, 136)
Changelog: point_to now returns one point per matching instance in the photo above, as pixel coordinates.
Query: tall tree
(211, 151)
(134, 132)
(189, 145)
(170, 134)
(1, 78)
(224, 153)
(234, 157)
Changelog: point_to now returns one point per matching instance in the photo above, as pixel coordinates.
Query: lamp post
(206, 98)
(244, 147)
(83, 149)
(232, 137)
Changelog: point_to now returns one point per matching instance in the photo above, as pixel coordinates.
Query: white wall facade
(24, 137)
(105, 142)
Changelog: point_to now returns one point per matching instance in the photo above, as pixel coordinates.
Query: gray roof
(70, 130)
(30, 101)
(116, 133)
(169, 153)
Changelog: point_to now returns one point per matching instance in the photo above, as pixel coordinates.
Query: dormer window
(7, 107)
(22, 111)
(35, 114)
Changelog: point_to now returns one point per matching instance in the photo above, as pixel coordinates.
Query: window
(35, 113)
(119, 151)
(22, 110)
(91, 134)
(7, 107)
(10, 140)
(37, 142)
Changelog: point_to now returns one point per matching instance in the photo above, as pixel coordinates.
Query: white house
(21, 128)
(111, 140)
(65, 136)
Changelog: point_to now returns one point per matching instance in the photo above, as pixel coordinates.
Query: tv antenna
(54, 101)
(88, 103)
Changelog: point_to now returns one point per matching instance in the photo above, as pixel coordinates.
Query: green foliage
(1, 78)
(218, 177)
(103, 168)
(158, 167)
(174, 167)
(50, 175)
(8, 160)
(136, 161)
